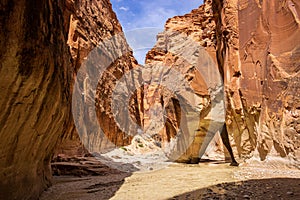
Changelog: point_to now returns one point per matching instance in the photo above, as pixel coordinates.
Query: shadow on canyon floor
(275, 188)
(85, 178)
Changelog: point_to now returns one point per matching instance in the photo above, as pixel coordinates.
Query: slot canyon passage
(227, 63)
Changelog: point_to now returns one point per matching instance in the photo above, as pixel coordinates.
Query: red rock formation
(261, 67)
(93, 23)
(44, 44)
(35, 86)
(256, 47)
(198, 28)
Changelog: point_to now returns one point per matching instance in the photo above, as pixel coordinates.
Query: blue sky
(143, 19)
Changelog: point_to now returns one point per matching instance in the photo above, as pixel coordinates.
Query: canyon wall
(260, 41)
(255, 45)
(44, 44)
(188, 46)
(35, 86)
(99, 52)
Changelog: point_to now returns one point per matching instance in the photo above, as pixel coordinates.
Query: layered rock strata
(35, 84)
(44, 44)
(93, 28)
(47, 44)
(255, 45)
(262, 71)
(188, 46)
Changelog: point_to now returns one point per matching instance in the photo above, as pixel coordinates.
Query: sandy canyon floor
(207, 180)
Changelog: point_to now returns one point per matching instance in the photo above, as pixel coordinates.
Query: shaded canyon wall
(36, 77)
(44, 44)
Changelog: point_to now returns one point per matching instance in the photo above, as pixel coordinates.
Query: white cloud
(141, 41)
(142, 38)
(124, 8)
(141, 14)
(158, 16)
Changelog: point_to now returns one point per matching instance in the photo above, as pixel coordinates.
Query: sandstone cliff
(261, 69)
(203, 74)
(35, 94)
(94, 24)
(44, 44)
(255, 45)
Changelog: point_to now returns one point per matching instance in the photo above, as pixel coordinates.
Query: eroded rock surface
(256, 47)
(188, 45)
(35, 85)
(44, 44)
(261, 42)
(100, 56)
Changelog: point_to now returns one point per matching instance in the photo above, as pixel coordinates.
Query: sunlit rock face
(44, 44)
(258, 48)
(255, 45)
(187, 45)
(94, 24)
